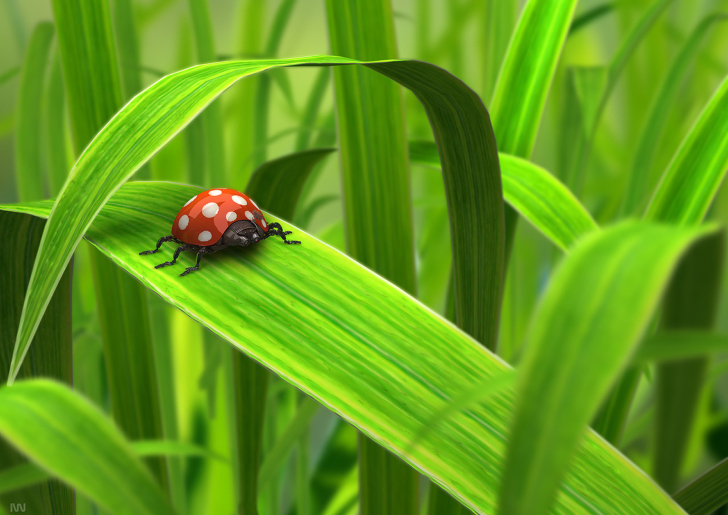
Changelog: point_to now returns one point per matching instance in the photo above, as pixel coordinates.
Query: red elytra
(205, 217)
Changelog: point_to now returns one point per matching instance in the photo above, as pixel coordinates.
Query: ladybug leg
(201, 252)
(177, 252)
(275, 229)
(159, 244)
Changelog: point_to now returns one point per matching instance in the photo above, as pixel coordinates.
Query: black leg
(159, 244)
(177, 252)
(197, 264)
(275, 229)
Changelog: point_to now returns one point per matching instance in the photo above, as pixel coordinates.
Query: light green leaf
(86, 450)
(592, 316)
(345, 341)
(697, 169)
(536, 194)
(28, 156)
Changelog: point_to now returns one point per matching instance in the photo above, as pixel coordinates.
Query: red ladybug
(216, 219)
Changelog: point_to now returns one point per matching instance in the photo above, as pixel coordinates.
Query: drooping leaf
(592, 316)
(86, 451)
(346, 340)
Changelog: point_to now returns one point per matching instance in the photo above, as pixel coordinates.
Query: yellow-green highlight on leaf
(460, 124)
(345, 341)
(532, 191)
(28, 153)
(692, 179)
(526, 73)
(593, 314)
(86, 450)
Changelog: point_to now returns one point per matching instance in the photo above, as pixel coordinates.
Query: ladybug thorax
(206, 216)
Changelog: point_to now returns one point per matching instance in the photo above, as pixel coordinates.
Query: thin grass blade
(707, 493)
(28, 153)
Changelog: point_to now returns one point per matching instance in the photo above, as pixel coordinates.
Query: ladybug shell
(205, 217)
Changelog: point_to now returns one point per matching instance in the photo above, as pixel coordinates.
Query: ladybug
(216, 219)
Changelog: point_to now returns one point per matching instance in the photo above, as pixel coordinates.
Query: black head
(242, 232)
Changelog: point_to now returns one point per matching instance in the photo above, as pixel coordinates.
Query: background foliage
(601, 110)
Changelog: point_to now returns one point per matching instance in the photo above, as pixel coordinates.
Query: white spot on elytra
(205, 236)
(183, 221)
(264, 224)
(249, 215)
(210, 210)
(240, 200)
(190, 200)
(231, 216)
(215, 193)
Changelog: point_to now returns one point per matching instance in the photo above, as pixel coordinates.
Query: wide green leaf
(345, 341)
(85, 450)
(592, 316)
(147, 122)
(536, 194)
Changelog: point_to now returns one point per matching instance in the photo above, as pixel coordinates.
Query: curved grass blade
(707, 493)
(590, 16)
(461, 127)
(693, 177)
(59, 159)
(537, 195)
(368, 336)
(656, 119)
(276, 185)
(592, 316)
(86, 451)
(28, 156)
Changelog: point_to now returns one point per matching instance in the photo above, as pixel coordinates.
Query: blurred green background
(459, 36)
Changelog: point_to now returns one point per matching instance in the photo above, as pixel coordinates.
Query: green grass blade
(21, 476)
(313, 106)
(526, 74)
(657, 118)
(707, 493)
(498, 20)
(697, 169)
(588, 17)
(538, 196)
(91, 76)
(276, 186)
(379, 234)
(524, 81)
(214, 174)
(86, 451)
(275, 458)
(59, 159)
(51, 352)
(679, 345)
(127, 45)
(679, 385)
(363, 347)
(28, 155)
(592, 316)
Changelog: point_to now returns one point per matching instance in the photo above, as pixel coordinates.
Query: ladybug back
(206, 216)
